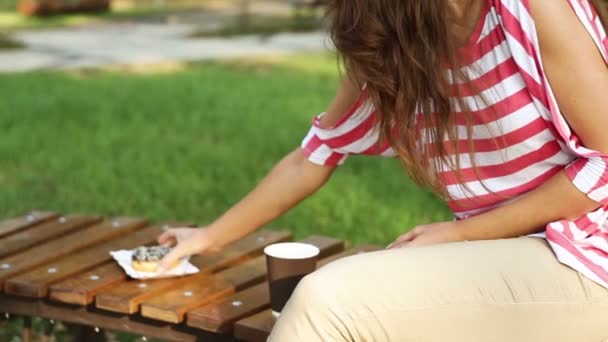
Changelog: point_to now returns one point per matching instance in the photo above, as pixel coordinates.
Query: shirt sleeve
(355, 133)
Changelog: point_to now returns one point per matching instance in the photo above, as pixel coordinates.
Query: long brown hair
(399, 49)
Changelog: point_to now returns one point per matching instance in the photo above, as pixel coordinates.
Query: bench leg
(83, 333)
(47, 330)
(27, 329)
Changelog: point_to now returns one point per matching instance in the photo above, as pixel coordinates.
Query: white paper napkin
(123, 257)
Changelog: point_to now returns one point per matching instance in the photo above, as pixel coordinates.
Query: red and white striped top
(520, 137)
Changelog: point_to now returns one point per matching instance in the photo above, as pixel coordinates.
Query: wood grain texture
(81, 288)
(44, 232)
(127, 296)
(255, 328)
(92, 317)
(221, 315)
(13, 225)
(35, 283)
(66, 245)
(173, 305)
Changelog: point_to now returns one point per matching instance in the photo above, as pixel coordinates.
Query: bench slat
(221, 315)
(66, 245)
(81, 288)
(43, 232)
(126, 297)
(35, 282)
(16, 224)
(172, 306)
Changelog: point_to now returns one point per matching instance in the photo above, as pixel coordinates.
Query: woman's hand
(186, 242)
(430, 234)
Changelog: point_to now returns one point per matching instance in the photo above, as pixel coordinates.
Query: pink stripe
(485, 46)
(479, 202)
(334, 159)
(559, 239)
(353, 109)
(490, 79)
(548, 150)
(497, 110)
(353, 135)
(506, 140)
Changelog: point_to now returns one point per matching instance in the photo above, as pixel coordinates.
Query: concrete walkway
(141, 43)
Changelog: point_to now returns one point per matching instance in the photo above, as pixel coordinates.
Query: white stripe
(600, 194)
(512, 152)
(362, 113)
(505, 125)
(489, 24)
(510, 181)
(590, 174)
(487, 63)
(506, 88)
(368, 140)
(567, 258)
(585, 19)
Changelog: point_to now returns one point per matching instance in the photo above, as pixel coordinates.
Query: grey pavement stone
(141, 43)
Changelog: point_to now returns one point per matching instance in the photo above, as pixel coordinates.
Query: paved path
(139, 43)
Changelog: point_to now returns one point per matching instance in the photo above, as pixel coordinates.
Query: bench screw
(5, 266)
(62, 219)
(188, 294)
(94, 277)
(52, 270)
(237, 303)
(142, 285)
(97, 329)
(115, 224)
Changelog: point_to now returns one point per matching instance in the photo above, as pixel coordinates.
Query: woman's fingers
(172, 258)
(165, 237)
(404, 239)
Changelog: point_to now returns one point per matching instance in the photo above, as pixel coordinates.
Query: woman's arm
(579, 78)
(292, 180)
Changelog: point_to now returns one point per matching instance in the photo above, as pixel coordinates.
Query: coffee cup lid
(292, 250)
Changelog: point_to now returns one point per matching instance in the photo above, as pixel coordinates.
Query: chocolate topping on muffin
(151, 253)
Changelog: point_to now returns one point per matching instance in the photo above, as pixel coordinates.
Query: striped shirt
(520, 138)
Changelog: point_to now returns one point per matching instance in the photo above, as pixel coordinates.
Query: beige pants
(489, 291)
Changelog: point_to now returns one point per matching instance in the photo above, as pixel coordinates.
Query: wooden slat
(104, 320)
(44, 232)
(126, 297)
(55, 249)
(255, 328)
(35, 283)
(81, 288)
(221, 315)
(16, 224)
(173, 305)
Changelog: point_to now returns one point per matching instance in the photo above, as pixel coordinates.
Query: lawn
(188, 143)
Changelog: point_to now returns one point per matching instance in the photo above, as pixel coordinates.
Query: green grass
(186, 145)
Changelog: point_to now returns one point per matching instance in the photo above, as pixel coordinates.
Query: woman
(501, 107)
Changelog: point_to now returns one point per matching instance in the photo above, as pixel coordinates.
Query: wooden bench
(58, 267)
